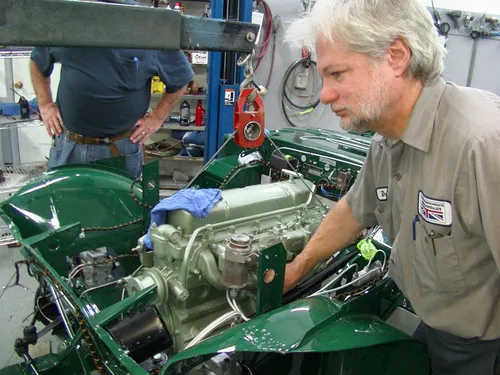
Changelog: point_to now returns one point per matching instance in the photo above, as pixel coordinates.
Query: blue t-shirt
(103, 92)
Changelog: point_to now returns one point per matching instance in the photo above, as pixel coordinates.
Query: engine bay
(206, 295)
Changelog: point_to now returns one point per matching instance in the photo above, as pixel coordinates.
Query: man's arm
(149, 124)
(477, 189)
(337, 231)
(48, 109)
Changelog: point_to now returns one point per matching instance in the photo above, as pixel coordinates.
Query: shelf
(14, 54)
(177, 126)
(176, 158)
(186, 96)
(8, 122)
(169, 183)
(183, 158)
(193, 96)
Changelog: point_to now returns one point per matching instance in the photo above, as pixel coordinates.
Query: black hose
(309, 286)
(291, 68)
(286, 114)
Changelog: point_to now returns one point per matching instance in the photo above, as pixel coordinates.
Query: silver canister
(235, 271)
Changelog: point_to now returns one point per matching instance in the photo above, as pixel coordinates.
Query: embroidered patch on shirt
(382, 193)
(434, 211)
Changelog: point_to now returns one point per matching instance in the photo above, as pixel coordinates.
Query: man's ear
(399, 57)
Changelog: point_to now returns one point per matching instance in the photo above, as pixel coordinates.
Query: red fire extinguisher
(199, 115)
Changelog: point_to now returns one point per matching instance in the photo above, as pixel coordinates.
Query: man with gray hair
(429, 180)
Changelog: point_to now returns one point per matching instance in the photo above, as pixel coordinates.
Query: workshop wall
(459, 46)
(3, 78)
(479, 6)
(285, 55)
(16, 70)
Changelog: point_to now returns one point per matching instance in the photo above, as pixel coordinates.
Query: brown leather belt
(78, 138)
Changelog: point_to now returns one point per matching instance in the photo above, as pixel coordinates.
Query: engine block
(191, 254)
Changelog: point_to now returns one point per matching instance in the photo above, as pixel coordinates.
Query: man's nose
(328, 94)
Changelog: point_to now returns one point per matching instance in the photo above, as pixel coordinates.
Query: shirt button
(397, 176)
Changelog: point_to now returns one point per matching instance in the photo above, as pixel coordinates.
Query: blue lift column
(214, 74)
(223, 93)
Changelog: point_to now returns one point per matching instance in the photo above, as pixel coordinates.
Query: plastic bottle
(185, 113)
(157, 86)
(199, 114)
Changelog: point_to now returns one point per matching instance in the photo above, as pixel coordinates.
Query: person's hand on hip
(146, 126)
(52, 119)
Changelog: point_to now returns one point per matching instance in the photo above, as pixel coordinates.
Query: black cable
(444, 29)
(284, 94)
(310, 284)
(286, 114)
(291, 68)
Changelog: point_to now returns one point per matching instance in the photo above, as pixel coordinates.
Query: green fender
(310, 325)
(83, 197)
(94, 196)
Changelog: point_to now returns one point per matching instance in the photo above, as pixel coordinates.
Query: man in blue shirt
(102, 100)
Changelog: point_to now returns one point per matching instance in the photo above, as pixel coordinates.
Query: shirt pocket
(130, 73)
(435, 263)
(385, 220)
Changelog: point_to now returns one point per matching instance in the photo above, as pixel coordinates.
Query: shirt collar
(418, 132)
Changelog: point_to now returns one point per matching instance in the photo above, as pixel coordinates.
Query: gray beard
(357, 125)
(371, 109)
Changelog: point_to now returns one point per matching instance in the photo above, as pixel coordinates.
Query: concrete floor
(16, 305)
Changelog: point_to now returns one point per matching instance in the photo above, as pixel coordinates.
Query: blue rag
(198, 202)
(13, 109)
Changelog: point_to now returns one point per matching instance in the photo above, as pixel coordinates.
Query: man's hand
(293, 275)
(146, 126)
(149, 124)
(52, 119)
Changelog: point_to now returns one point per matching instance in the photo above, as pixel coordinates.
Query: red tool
(249, 125)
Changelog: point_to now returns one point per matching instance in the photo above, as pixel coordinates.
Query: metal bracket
(89, 24)
(150, 189)
(271, 278)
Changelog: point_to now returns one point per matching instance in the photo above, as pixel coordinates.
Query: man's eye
(336, 75)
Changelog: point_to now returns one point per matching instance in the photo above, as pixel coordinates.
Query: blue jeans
(65, 151)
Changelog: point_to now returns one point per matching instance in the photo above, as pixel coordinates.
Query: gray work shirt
(435, 194)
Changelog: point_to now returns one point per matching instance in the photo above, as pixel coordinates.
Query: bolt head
(251, 37)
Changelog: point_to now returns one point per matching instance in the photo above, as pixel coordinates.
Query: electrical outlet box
(301, 80)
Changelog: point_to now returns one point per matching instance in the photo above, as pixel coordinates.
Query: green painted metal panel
(270, 291)
(70, 203)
